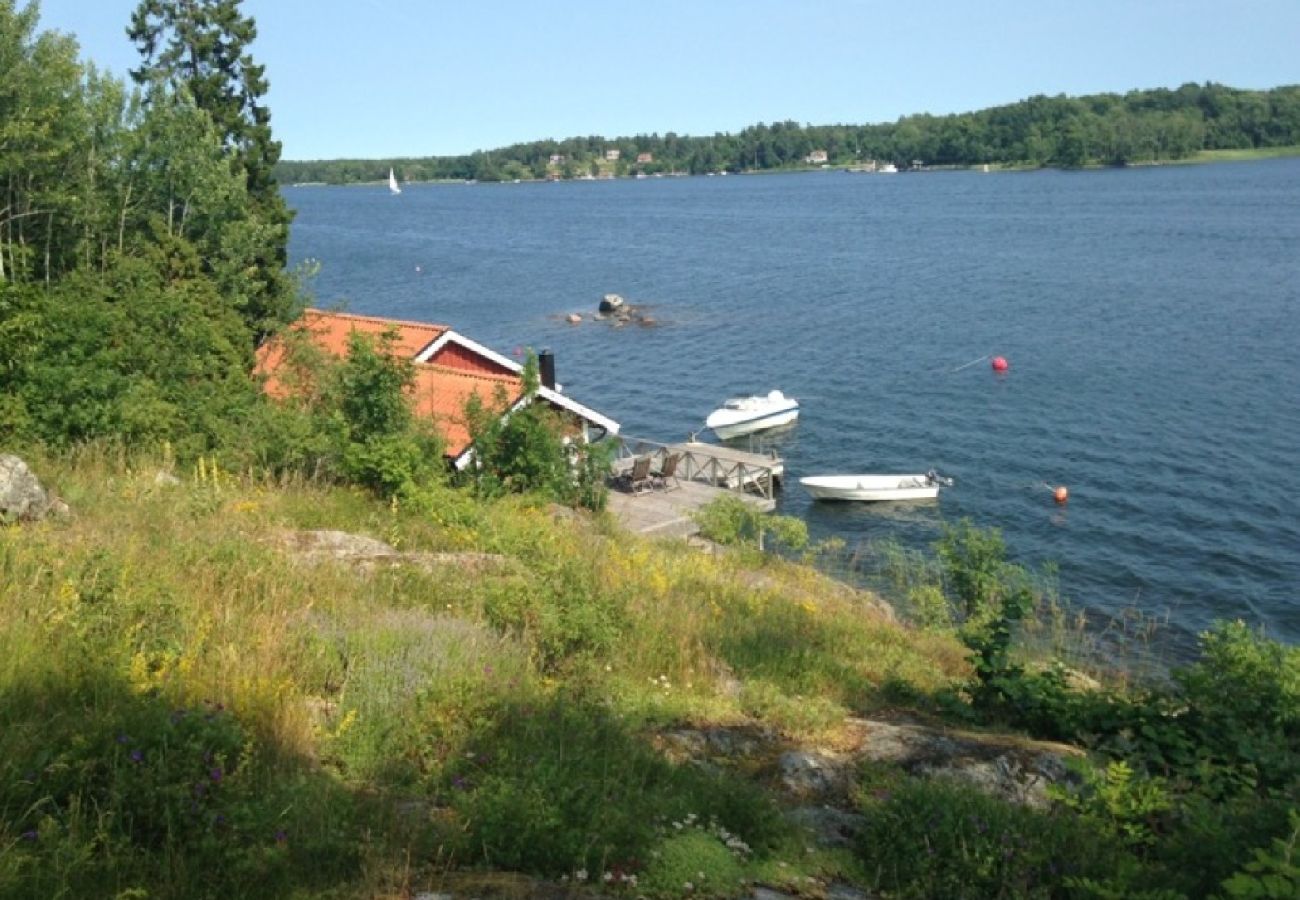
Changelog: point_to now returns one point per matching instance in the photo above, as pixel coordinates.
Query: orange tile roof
(440, 392)
(330, 331)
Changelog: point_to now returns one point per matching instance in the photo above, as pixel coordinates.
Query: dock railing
(716, 465)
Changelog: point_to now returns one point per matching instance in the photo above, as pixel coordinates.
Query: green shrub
(692, 862)
(562, 785)
(933, 839)
(533, 448)
(1273, 873)
(730, 520)
(102, 788)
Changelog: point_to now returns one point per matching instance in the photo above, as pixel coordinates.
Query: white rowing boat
(875, 487)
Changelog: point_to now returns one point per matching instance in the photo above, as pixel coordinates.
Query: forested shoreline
(1141, 126)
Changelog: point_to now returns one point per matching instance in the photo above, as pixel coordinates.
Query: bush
(730, 520)
(561, 786)
(100, 786)
(533, 448)
(932, 839)
(692, 862)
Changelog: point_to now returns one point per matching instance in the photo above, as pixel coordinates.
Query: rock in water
(22, 498)
(610, 303)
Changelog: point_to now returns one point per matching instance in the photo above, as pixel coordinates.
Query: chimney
(546, 368)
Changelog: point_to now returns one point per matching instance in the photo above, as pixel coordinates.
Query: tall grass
(188, 709)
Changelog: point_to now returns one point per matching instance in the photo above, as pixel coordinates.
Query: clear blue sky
(361, 78)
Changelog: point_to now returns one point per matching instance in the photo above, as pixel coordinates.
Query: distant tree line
(1067, 132)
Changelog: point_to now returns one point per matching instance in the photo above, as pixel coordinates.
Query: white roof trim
(554, 396)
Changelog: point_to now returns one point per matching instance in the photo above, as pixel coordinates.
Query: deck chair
(666, 477)
(637, 478)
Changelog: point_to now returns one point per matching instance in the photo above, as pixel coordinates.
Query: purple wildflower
(137, 756)
(216, 774)
(30, 835)
(281, 836)
(123, 739)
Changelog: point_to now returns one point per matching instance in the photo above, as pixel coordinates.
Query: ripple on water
(1149, 318)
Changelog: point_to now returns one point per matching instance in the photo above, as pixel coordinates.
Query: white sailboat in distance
(392, 183)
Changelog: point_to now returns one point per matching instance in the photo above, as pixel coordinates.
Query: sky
(368, 79)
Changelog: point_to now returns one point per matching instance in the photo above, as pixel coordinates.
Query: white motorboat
(876, 487)
(743, 415)
(888, 169)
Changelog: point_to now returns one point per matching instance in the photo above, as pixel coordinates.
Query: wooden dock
(704, 473)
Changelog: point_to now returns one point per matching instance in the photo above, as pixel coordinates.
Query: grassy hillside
(169, 672)
(188, 708)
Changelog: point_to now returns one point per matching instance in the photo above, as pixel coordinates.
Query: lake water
(1151, 318)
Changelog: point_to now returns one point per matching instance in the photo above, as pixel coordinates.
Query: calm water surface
(1150, 317)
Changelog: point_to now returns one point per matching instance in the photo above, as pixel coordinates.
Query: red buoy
(1000, 364)
(1061, 494)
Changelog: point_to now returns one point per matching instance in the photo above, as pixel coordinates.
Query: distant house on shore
(816, 157)
(644, 158)
(557, 159)
(611, 155)
(449, 369)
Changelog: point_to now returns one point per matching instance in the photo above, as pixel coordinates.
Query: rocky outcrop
(819, 781)
(1012, 769)
(22, 497)
(367, 554)
(617, 311)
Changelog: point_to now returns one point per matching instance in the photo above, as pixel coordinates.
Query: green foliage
(201, 47)
(382, 445)
(102, 787)
(1273, 874)
(104, 361)
(692, 861)
(523, 445)
(561, 786)
(992, 597)
(1121, 802)
(938, 839)
(730, 520)
(1243, 681)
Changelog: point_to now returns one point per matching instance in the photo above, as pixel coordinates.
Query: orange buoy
(1061, 494)
(1000, 364)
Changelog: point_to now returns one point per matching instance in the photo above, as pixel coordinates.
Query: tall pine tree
(201, 46)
